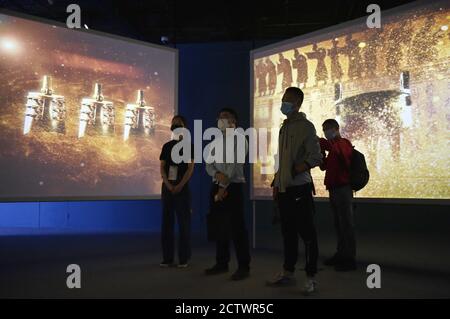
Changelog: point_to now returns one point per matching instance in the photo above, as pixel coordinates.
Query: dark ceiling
(203, 21)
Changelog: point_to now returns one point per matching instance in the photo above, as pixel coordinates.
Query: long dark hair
(182, 118)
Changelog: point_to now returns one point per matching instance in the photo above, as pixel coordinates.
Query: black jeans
(297, 219)
(341, 200)
(233, 209)
(178, 205)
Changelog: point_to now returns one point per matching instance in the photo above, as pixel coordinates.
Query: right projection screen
(389, 89)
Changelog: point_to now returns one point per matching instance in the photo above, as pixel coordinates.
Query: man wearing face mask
(298, 152)
(227, 203)
(337, 181)
(176, 200)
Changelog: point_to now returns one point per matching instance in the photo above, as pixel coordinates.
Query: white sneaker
(165, 264)
(183, 265)
(310, 286)
(284, 278)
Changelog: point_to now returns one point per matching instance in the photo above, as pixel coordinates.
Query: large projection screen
(83, 115)
(389, 89)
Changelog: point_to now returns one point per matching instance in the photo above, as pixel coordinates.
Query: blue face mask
(330, 134)
(286, 107)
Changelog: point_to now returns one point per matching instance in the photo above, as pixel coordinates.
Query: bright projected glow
(9, 45)
(388, 88)
(82, 115)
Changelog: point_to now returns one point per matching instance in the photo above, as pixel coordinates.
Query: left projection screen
(83, 115)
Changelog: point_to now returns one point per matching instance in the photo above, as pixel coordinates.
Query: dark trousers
(178, 205)
(341, 200)
(232, 210)
(296, 207)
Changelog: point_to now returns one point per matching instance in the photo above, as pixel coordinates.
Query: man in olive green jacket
(298, 152)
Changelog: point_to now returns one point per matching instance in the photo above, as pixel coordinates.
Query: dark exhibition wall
(222, 80)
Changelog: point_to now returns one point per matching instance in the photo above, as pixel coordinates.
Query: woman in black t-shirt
(176, 200)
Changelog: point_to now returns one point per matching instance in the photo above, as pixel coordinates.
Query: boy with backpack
(338, 181)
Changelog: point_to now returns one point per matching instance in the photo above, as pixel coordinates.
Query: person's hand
(299, 168)
(222, 178)
(176, 189)
(324, 144)
(170, 187)
(221, 194)
(274, 192)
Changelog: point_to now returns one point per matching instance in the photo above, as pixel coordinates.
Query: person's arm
(186, 177)
(274, 192)
(218, 176)
(275, 183)
(313, 153)
(324, 146)
(323, 166)
(212, 171)
(166, 182)
(344, 152)
(211, 168)
(229, 170)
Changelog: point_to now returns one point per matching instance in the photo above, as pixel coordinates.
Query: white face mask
(223, 124)
(176, 136)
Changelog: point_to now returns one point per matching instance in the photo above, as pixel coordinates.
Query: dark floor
(126, 266)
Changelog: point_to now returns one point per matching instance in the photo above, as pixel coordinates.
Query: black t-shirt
(181, 168)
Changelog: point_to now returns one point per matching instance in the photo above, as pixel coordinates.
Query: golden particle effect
(45, 163)
(406, 146)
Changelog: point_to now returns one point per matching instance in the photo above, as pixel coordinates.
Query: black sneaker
(240, 274)
(345, 266)
(332, 261)
(216, 270)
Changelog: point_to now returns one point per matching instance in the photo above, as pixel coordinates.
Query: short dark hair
(181, 118)
(231, 111)
(296, 91)
(331, 122)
